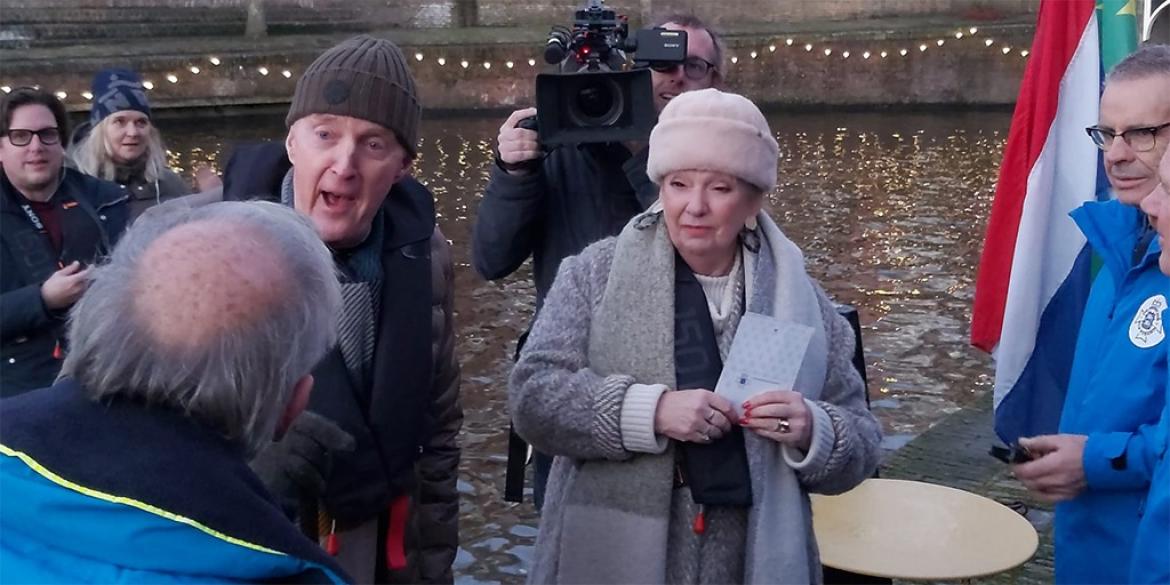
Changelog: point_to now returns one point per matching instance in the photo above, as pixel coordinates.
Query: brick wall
(448, 13)
(730, 12)
(735, 12)
(788, 76)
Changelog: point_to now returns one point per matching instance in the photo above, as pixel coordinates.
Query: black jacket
(578, 195)
(407, 423)
(29, 333)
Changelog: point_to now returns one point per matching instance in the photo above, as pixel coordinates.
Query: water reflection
(889, 208)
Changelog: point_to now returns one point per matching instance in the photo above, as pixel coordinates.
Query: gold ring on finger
(782, 426)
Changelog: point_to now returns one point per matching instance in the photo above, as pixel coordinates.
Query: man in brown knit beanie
(387, 509)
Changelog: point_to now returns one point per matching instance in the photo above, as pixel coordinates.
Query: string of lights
(749, 53)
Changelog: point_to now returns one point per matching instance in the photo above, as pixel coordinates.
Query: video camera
(595, 97)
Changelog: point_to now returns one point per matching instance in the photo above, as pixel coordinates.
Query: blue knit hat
(115, 90)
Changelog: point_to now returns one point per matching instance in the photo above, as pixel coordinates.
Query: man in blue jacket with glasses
(1099, 468)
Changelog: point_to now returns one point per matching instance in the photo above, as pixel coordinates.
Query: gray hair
(1149, 60)
(93, 156)
(691, 21)
(240, 378)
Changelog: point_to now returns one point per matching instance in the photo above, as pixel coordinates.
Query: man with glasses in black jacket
(550, 206)
(54, 222)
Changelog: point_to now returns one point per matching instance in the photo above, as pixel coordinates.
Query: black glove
(298, 465)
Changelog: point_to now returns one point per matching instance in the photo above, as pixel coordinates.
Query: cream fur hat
(709, 130)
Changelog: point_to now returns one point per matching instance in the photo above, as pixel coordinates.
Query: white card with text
(765, 355)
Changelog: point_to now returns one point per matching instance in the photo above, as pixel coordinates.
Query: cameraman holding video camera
(551, 204)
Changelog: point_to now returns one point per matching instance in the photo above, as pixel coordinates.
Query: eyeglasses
(1139, 139)
(47, 136)
(695, 68)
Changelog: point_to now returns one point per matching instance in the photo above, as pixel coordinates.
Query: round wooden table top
(913, 530)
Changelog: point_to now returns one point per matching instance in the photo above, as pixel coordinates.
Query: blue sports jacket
(1151, 549)
(1116, 393)
(115, 492)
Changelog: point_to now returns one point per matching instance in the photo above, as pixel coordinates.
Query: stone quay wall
(476, 54)
(841, 69)
(46, 20)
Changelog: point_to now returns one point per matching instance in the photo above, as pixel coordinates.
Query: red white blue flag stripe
(1035, 272)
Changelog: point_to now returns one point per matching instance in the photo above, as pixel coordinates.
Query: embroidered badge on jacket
(1146, 329)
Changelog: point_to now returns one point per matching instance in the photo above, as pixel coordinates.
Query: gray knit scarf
(617, 513)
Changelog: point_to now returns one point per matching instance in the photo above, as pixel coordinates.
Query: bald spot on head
(205, 279)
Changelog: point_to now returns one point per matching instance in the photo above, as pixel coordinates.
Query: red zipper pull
(332, 542)
(58, 353)
(700, 524)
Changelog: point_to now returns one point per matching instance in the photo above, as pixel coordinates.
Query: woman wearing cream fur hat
(658, 479)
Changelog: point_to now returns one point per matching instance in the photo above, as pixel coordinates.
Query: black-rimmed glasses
(1139, 139)
(21, 137)
(694, 68)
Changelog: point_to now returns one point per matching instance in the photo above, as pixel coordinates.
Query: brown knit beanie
(365, 78)
(709, 130)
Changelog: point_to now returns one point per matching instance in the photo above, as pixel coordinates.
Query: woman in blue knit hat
(123, 145)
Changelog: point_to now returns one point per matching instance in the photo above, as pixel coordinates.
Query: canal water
(889, 208)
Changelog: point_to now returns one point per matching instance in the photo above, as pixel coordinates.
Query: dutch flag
(1035, 273)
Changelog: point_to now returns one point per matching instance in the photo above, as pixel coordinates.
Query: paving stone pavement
(954, 453)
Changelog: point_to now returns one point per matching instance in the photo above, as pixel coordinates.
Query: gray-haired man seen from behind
(194, 347)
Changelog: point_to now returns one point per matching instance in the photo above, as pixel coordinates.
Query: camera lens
(597, 102)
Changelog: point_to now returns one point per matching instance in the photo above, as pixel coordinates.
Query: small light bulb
(148, 84)
(959, 35)
(788, 42)
(988, 42)
(755, 54)
(972, 30)
(734, 60)
(922, 47)
(418, 56)
(940, 42)
(1024, 53)
(464, 64)
(509, 64)
(61, 95)
(532, 62)
(286, 73)
(194, 70)
(828, 52)
(903, 52)
(5, 88)
(865, 55)
(214, 60)
(442, 61)
(87, 95)
(845, 55)
(1006, 50)
(171, 77)
(771, 48)
(487, 65)
(884, 54)
(263, 70)
(808, 47)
